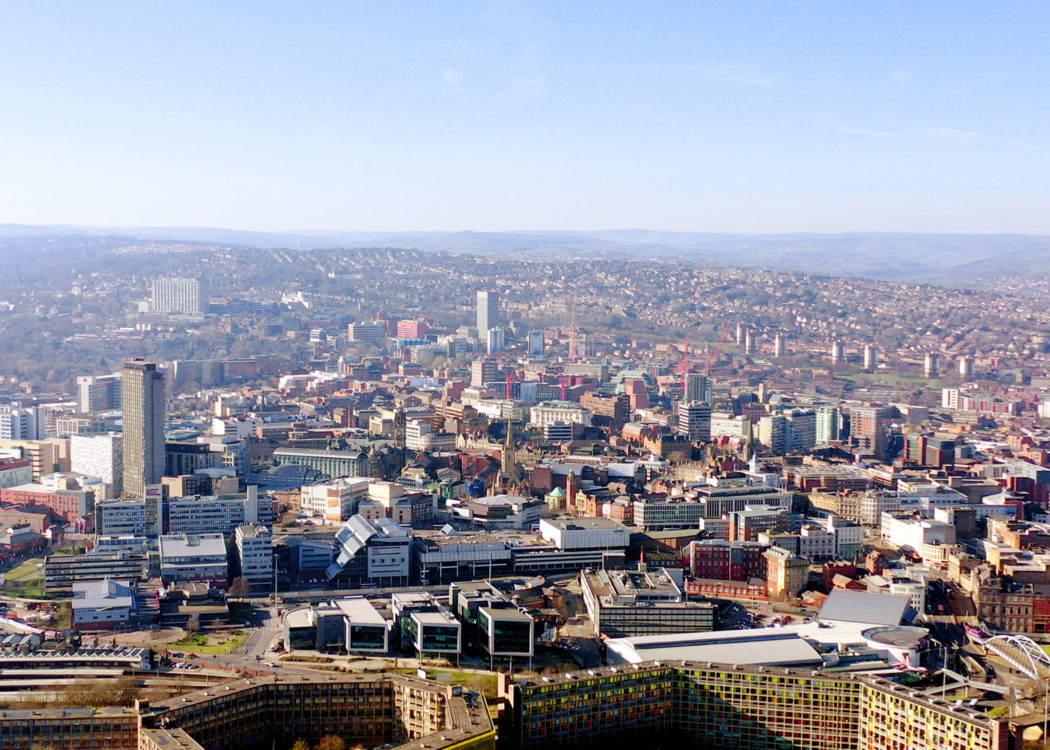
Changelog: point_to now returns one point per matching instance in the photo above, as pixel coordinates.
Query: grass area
(202, 644)
(33, 568)
(483, 683)
(24, 592)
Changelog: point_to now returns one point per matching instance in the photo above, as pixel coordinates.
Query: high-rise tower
(143, 396)
(488, 313)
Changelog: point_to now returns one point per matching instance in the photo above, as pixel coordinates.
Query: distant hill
(950, 259)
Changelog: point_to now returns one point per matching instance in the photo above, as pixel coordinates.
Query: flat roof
(509, 613)
(360, 611)
(583, 524)
(750, 647)
(435, 618)
(860, 606)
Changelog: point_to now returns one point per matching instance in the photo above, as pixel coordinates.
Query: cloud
(949, 134)
(453, 79)
(873, 133)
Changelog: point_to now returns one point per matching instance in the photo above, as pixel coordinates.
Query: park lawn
(192, 644)
(33, 568)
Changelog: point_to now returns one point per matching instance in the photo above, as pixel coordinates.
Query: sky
(750, 117)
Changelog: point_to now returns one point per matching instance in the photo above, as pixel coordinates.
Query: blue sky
(696, 116)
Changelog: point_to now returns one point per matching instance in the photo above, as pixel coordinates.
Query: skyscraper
(488, 313)
(697, 388)
(143, 426)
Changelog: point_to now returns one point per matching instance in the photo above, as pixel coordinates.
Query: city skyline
(759, 117)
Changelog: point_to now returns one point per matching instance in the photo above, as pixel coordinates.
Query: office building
(201, 514)
(870, 428)
(328, 464)
(828, 425)
(188, 296)
(100, 456)
(374, 551)
(121, 518)
(496, 340)
(61, 571)
(143, 394)
(254, 544)
(694, 421)
(698, 389)
(102, 605)
(488, 313)
(425, 626)
(193, 559)
(537, 343)
(368, 333)
(23, 423)
(482, 372)
(624, 603)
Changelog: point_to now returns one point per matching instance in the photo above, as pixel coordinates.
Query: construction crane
(718, 349)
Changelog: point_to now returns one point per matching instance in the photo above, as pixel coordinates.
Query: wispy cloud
(946, 135)
(740, 75)
(453, 79)
(950, 134)
(873, 133)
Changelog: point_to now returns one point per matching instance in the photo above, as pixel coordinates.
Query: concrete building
(487, 313)
(102, 605)
(426, 626)
(694, 421)
(193, 559)
(336, 500)
(627, 603)
(99, 456)
(329, 464)
(22, 422)
(371, 552)
(143, 443)
(187, 296)
(121, 518)
(62, 571)
(917, 534)
(202, 514)
(99, 393)
(536, 343)
(254, 544)
(585, 533)
(705, 704)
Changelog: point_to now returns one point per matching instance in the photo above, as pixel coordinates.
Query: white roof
(765, 646)
(862, 607)
(193, 545)
(359, 611)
